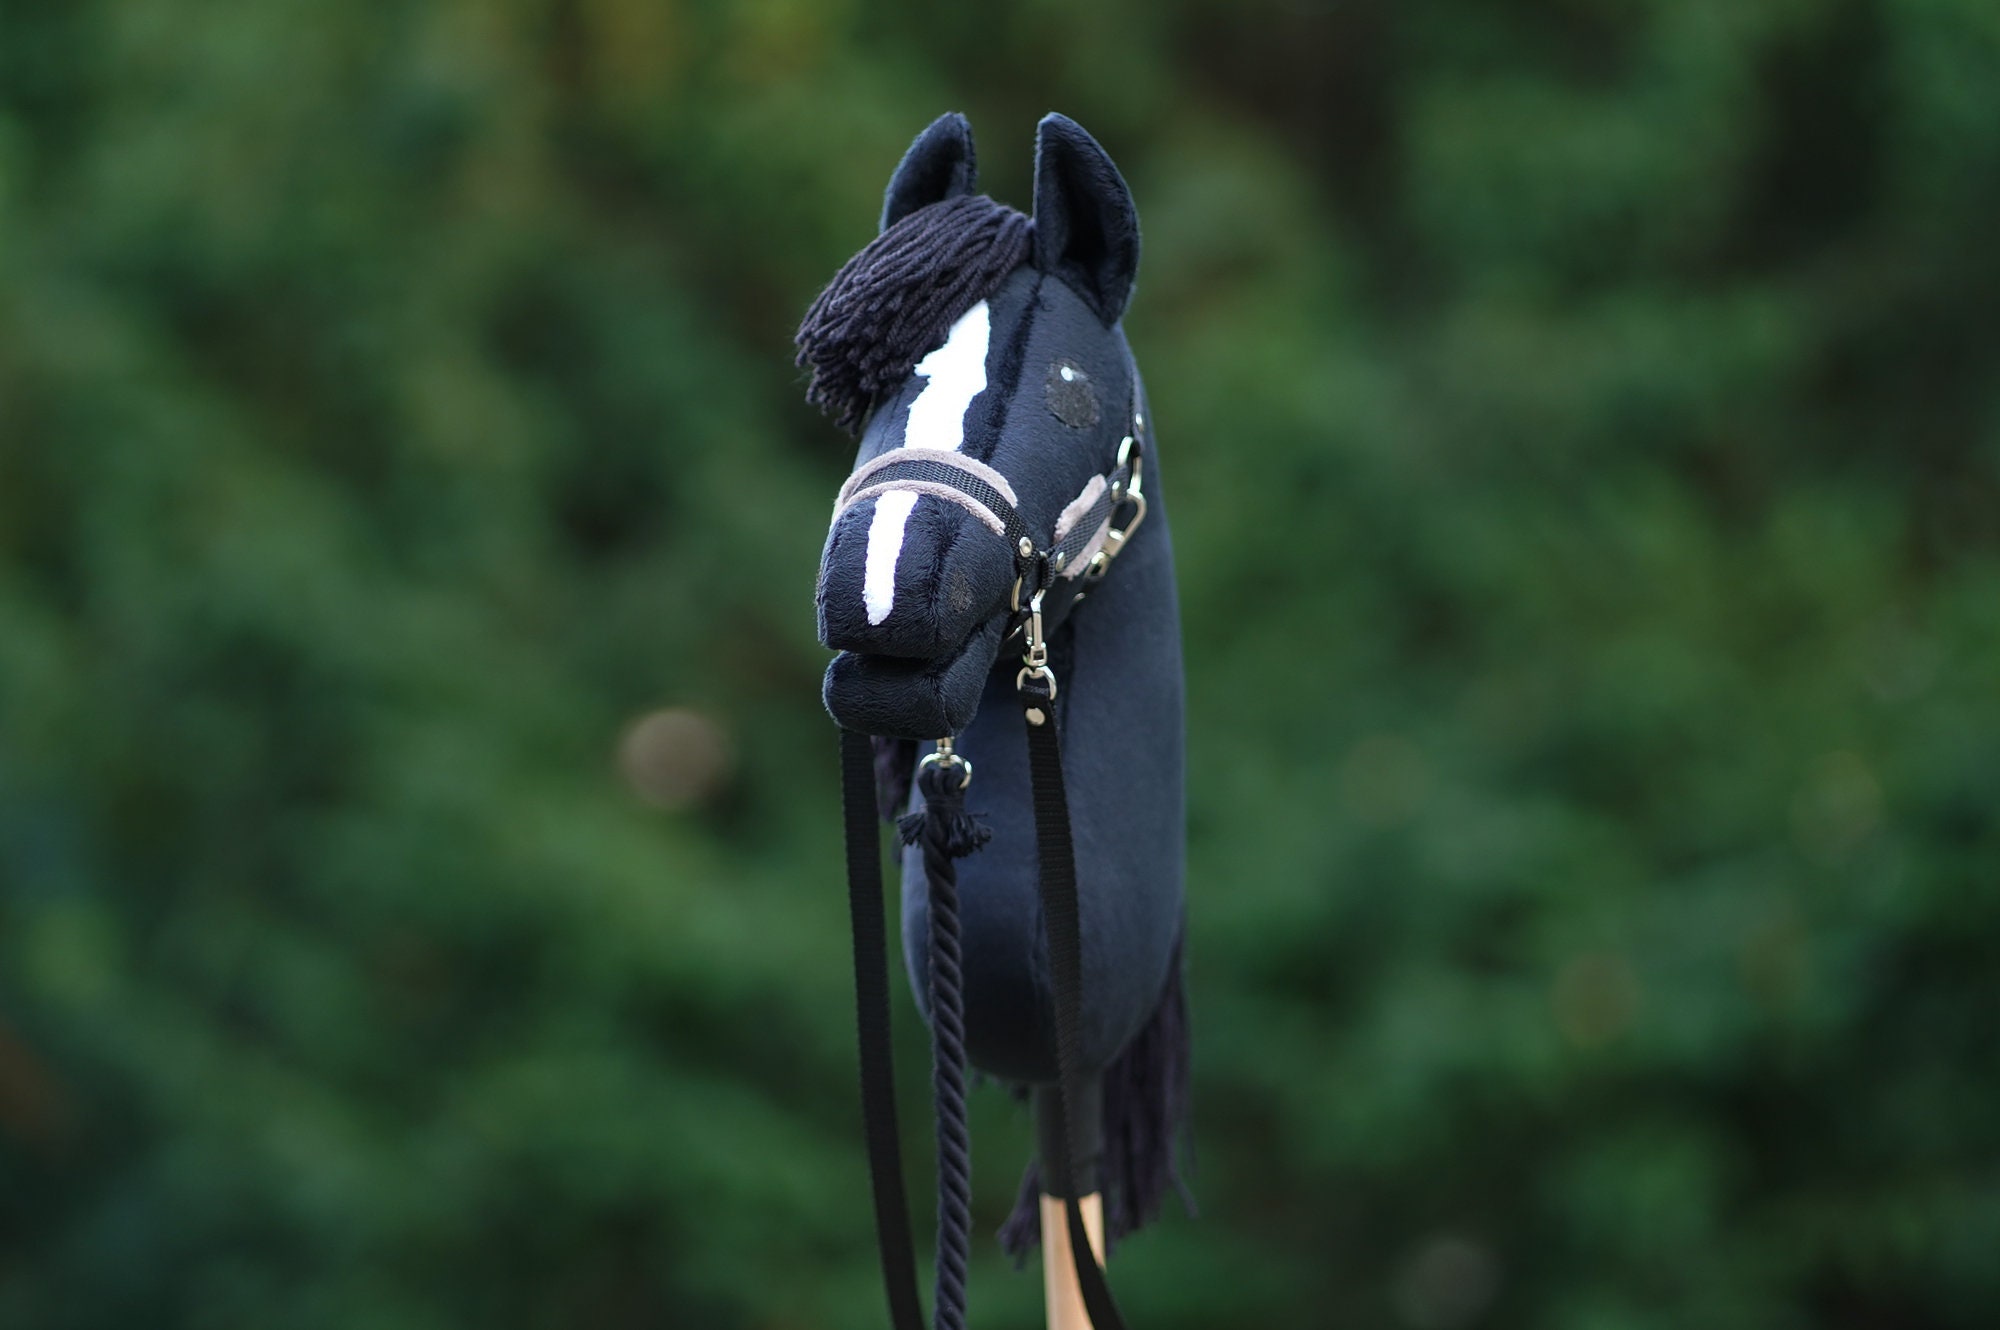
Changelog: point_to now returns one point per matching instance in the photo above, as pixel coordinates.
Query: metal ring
(946, 759)
(1039, 671)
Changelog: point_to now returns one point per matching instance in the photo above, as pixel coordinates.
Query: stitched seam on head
(1006, 381)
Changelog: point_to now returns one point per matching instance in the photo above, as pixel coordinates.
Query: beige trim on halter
(945, 456)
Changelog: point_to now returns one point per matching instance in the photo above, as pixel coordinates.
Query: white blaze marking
(957, 373)
(885, 545)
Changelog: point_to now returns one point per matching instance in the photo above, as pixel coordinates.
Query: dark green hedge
(1582, 424)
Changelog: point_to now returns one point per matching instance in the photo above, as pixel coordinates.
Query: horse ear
(938, 166)
(1086, 229)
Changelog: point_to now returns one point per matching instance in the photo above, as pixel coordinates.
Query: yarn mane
(896, 300)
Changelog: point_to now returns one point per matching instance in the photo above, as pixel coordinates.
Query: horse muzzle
(913, 594)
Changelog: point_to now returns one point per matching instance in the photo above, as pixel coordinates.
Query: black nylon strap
(929, 470)
(871, 1008)
(1066, 551)
(932, 471)
(1062, 920)
(1064, 592)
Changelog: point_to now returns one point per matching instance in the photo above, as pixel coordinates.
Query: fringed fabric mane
(896, 300)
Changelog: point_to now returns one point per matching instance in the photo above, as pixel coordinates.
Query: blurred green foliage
(1582, 422)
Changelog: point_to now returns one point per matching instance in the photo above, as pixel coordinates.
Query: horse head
(984, 352)
(1005, 462)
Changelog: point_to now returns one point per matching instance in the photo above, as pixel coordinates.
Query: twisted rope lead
(945, 833)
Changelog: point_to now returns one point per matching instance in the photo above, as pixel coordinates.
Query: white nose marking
(885, 545)
(956, 373)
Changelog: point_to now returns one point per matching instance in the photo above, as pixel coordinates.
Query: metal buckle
(1133, 492)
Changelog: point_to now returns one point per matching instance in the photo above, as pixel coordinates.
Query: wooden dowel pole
(1061, 1294)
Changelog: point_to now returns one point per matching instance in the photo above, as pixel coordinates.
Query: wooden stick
(1062, 1296)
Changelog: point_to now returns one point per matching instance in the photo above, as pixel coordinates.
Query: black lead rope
(1062, 920)
(950, 833)
(871, 1018)
(944, 833)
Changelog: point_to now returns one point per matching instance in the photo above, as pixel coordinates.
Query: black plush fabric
(1142, 1103)
(900, 698)
(895, 770)
(1086, 229)
(918, 673)
(935, 664)
(1121, 707)
(953, 573)
(939, 165)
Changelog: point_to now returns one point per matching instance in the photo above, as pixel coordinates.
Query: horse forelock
(896, 301)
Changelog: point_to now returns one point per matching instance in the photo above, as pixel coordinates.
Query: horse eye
(1071, 395)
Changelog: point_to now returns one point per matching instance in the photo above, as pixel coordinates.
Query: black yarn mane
(896, 300)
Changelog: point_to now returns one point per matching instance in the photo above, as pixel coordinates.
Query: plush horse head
(1006, 461)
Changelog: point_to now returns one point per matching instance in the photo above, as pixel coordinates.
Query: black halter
(1077, 552)
(1078, 555)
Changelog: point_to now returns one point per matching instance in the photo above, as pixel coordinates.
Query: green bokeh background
(1582, 424)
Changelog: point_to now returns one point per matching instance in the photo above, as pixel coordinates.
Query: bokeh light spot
(676, 757)
(1384, 779)
(1836, 808)
(1448, 1283)
(1595, 996)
